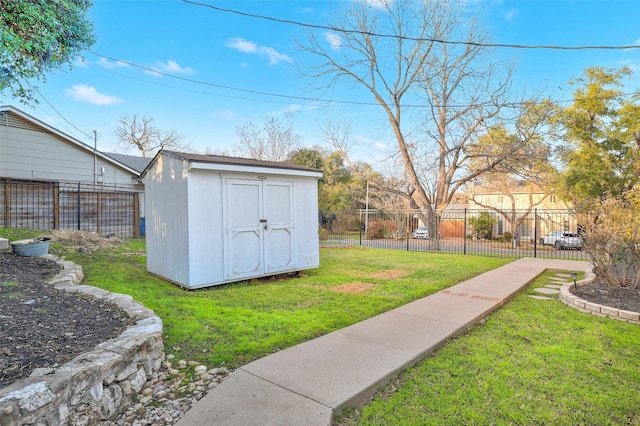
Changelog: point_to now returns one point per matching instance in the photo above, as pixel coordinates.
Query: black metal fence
(519, 233)
(72, 206)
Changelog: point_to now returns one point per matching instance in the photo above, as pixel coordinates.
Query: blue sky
(228, 51)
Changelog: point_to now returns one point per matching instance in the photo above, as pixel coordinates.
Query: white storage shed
(213, 219)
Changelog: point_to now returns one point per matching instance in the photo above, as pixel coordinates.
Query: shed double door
(259, 227)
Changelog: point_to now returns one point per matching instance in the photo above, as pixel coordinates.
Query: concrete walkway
(310, 383)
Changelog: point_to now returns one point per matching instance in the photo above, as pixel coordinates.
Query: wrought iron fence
(73, 206)
(516, 233)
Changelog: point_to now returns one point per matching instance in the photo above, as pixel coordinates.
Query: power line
(407, 38)
(206, 83)
(58, 112)
(302, 98)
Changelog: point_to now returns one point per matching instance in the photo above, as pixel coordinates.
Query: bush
(611, 232)
(482, 225)
(323, 233)
(507, 236)
(382, 228)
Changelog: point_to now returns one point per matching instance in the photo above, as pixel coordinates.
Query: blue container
(142, 227)
(33, 248)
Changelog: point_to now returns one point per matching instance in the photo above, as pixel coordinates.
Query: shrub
(381, 228)
(611, 232)
(482, 225)
(507, 236)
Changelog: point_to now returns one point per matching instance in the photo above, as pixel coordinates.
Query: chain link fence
(516, 233)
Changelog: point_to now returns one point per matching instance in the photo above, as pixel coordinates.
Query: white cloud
(629, 63)
(304, 9)
(511, 14)
(169, 67)
(111, 65)
(379, 4)
(226, 115)
(334, 39)
(637, 41)
(381, 146)
(84, 93)
(253, 48)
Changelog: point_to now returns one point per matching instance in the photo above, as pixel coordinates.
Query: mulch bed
(615, 297)
(43, 327)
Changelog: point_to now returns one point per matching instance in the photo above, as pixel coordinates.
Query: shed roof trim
(237, 161)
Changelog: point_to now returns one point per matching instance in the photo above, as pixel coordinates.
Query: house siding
(29, 154)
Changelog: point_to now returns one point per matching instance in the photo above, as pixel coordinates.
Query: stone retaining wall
(96, 385)
(593, 308)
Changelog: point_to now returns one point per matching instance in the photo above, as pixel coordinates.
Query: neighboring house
(51, 180)
(514, 206)
(213, 219)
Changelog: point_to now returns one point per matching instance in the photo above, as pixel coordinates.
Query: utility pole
(95, 158)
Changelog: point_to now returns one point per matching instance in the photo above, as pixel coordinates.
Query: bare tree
(404, 53)
(142, 133)
(274, 141)
(524, 177)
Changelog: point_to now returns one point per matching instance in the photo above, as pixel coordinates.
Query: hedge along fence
(73, 206)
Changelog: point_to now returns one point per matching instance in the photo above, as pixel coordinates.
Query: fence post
(464, 233)
(408, 228)
(78, 206)
(535, 232)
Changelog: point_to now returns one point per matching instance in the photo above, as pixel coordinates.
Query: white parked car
(562, 240)
(421, 232)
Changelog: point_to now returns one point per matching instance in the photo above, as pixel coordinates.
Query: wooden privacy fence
(73, 206)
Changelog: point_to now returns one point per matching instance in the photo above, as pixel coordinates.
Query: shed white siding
(31, 152)
(207, 223)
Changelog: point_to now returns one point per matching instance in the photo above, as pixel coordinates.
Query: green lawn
(531, 362)
(234, 324)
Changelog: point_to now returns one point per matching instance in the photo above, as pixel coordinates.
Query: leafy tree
(339, 189)
(602, 171)
(602, 132)
(141, 132)
(37, 37)
(459, 84)
(274, 141)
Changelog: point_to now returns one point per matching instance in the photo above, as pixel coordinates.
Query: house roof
(233, 161)
(134, 162)
(4, 109)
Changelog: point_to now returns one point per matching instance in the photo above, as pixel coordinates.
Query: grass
(531, 362)
(234, 324)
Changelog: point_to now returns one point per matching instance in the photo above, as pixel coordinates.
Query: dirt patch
(42, 327)
(354, 288)
(615, 297)
(83, 240)
(391, 274)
